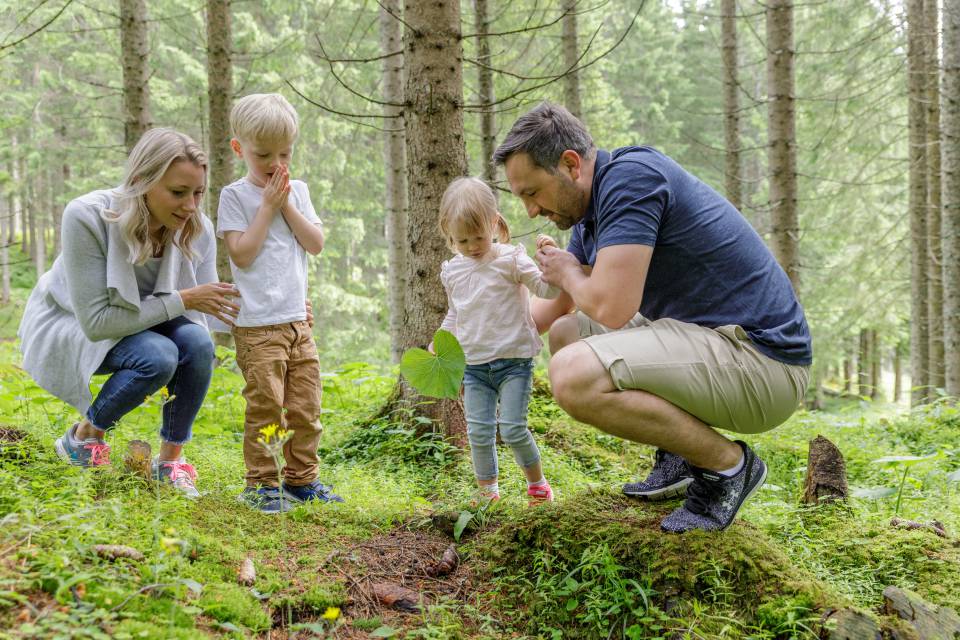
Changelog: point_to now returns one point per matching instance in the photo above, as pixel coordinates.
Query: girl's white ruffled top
(489, 303)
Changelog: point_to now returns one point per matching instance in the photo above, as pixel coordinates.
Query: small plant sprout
(906, 462)
(272, 438)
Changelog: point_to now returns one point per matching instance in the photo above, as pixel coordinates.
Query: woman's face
(175, 198)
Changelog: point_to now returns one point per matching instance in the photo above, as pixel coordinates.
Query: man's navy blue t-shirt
(709, 267)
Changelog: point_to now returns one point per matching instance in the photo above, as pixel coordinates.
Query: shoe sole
(676, 490)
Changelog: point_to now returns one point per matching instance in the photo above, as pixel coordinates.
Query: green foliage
(233, 603)
(438, 374)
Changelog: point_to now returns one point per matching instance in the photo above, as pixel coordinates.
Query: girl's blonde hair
(149, 159)
(469, 205)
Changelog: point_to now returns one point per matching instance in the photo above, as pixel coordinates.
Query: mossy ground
(593, 565)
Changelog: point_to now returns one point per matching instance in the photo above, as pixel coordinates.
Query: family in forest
(668, 318)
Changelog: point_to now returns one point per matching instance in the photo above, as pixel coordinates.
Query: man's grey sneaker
(668, 479)
(92, 452)
(713, 500)
(313, 491)
(178, 474)
(266, 499)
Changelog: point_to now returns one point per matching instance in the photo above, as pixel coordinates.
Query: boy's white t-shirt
(273, 288)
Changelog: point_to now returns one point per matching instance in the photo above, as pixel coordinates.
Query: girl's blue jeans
(508, 380)
(177, 354)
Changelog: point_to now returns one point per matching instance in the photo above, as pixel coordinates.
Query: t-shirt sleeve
(303, 201)
(575, 246)
(230, 215)
(631, 202)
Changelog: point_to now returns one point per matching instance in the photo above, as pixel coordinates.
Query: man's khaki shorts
(717, 375)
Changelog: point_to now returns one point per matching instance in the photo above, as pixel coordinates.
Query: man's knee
(574, 375)
(563, 332)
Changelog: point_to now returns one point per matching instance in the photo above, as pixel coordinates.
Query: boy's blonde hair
(149, 159)
(264, 116)
(469, 205)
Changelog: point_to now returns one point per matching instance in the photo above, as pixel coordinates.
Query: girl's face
(175, 198)
(472, 243)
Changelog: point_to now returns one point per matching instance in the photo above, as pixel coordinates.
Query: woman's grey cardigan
(89, 299)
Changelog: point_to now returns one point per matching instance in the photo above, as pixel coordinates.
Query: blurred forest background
(820, 120)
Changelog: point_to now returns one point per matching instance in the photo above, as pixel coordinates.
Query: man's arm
(612, 292)
(546, 311)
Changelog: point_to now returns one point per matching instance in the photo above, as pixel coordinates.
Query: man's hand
(277, 190)
(309, 314)
(556, 264)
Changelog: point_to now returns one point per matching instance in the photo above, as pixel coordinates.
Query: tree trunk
(950, 224)
(433, 60)
(781, 130)
(5, 223)
(219, 99)
(897, 374)
(135, 47)
(22, 186)
(391, 39)
(917, 201)
(934, 247)
(847, 375)
(875, 382)
(59, 202)
(733, 182)
(488, 133)
(863, 364)
(571, 52)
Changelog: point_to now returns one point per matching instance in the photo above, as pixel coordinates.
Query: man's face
(555, 196)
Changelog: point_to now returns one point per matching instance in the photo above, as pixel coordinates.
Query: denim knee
(160, 365)
(514, 434)
(481, 434)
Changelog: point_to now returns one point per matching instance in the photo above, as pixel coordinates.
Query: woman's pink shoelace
(99, 453)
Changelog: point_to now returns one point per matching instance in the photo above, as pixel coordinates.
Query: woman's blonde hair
(149, 159)
(469, 205)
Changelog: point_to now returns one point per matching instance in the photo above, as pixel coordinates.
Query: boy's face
(262, 157)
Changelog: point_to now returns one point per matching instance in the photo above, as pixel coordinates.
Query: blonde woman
(131, 295)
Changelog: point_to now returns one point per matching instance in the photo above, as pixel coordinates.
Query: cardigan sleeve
(85, 259)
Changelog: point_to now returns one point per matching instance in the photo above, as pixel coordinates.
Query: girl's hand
(277, 189)
(213, 299)
(544, 240)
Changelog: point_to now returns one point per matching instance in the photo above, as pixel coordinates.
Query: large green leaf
(439, 375)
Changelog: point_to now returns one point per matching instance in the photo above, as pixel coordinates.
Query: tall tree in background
(571, 57)
(486, 93)
(219, 99)
(781, 133)
(934, 196)
(917, 206)
(433, 61)
(135, 47)
(391, 40)
(731, 104)
(950, 225)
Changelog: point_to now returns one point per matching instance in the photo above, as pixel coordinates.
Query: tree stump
(850, 624)
(928, 620)
(826, 473)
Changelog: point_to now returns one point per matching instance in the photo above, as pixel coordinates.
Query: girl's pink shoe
(539, 493)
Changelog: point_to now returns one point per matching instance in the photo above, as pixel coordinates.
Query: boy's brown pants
(282, 372)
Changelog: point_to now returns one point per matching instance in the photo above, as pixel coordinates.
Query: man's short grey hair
(544, 133)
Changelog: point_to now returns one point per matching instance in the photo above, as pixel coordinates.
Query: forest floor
(592, 565)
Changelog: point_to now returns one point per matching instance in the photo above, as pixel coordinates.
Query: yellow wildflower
(332, 613)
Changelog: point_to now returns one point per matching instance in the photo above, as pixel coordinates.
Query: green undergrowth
(593, 565)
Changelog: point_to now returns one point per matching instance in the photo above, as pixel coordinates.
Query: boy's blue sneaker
(313, 491)
(92, 452)
(266, 499)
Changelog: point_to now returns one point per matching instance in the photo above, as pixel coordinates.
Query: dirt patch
(11, 434)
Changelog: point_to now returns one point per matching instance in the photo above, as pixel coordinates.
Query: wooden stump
(929, 621)
(826, 473)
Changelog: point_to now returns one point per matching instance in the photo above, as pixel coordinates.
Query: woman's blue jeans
(508, 380)
(177, 354)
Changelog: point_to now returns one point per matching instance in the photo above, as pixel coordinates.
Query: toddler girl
(489, 313)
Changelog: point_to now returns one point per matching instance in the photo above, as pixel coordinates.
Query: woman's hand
(277, 189)
(213, 299)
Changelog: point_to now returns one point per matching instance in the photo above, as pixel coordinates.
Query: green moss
(323, 595)
(138, 630)
(232, 603)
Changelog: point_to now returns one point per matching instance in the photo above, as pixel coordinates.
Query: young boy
(269, 225)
